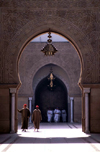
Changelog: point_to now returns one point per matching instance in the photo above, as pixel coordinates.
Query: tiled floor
(52, 137)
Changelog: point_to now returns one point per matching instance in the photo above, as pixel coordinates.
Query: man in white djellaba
(63, 113)
(49, 115)
(57, 114)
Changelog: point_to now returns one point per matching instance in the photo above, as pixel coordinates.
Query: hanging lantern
(49, 49)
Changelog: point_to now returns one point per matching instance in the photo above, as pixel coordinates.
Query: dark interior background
(47, 98)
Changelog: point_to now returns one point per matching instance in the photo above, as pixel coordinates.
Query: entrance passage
(48, 98)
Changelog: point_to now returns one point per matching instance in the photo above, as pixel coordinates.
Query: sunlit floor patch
(51, 138)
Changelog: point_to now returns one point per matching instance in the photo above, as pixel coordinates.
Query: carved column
(86, 93)
(30, 107)
(72, 108)
(12, 91)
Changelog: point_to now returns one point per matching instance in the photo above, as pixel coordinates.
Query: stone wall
(78, 21)
(65, 64)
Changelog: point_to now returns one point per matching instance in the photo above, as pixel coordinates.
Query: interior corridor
(52, 137)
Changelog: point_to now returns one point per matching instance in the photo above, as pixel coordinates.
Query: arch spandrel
(33, 28)
(31, 73)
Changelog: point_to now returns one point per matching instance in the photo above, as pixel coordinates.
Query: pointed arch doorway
(33, 75)
(47, 98)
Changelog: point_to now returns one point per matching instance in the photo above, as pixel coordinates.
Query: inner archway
(30, 69)
(47, 98)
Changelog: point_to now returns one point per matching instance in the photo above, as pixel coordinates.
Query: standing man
(36, 117)
(57, 113)
(49, 115)
(25, 112)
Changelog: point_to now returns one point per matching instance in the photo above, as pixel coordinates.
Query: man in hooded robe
(25, 113)
(49, 115)
(57, 113)
(36, 117)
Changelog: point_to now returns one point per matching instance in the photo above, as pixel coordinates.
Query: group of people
(56, 115)
(36, 117)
